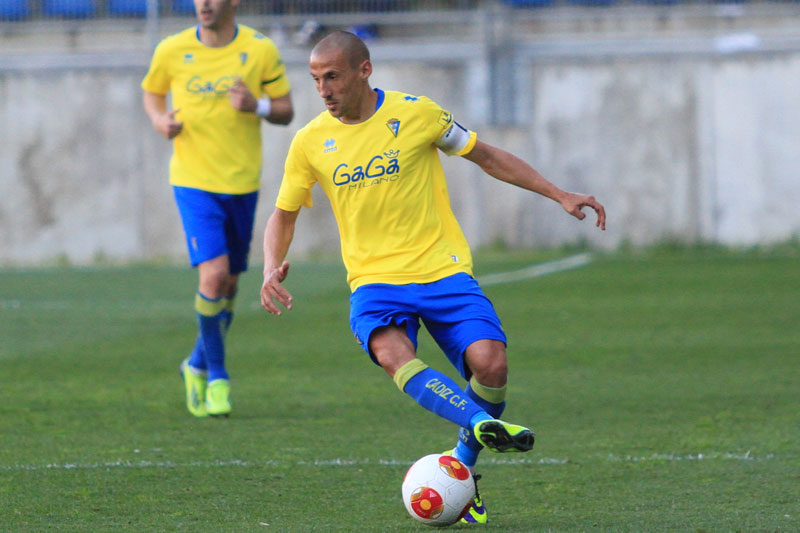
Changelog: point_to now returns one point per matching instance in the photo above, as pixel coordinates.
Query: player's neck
(365, 109)
(222, 35)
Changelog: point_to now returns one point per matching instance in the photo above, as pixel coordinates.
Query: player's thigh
(457, 314)
(392, 347)
(387, 311)
(203, 217)
(240, 218)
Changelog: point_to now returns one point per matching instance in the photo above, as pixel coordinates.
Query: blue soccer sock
(212, 320)
(197, 358)
(492, 400)
(438, 393)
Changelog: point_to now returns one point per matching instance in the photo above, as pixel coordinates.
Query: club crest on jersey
(243, 57)
(381, 168)
(394, 126)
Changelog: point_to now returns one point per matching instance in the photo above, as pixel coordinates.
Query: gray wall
(698, 148)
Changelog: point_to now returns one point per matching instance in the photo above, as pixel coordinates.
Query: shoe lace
(475, 478)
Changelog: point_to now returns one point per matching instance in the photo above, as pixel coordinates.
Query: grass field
(664, 388)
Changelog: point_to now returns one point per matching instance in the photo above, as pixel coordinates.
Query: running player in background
(224, 78)
(375, 154)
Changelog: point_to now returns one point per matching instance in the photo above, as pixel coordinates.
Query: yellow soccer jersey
(219, 148)
(387, 190)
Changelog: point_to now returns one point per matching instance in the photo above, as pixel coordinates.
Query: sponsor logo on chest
(380, 169)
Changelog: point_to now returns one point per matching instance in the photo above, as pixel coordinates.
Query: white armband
(455, 139)
(264, 107)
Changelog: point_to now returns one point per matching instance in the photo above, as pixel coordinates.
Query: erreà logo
(330, 145)
(394, 126)
(243, 57)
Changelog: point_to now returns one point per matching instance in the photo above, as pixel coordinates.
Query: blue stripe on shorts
(454, 310)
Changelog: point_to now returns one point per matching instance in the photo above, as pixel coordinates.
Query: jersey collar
(197, 34)
(378, 104)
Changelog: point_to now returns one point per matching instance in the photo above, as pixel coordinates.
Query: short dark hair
(354, 49)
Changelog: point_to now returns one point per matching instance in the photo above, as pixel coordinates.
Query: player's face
(338, 83)
(213, 13)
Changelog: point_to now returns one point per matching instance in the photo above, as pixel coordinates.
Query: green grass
(664, 388)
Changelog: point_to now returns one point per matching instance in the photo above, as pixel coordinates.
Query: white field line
(340, 462)
(535, 271)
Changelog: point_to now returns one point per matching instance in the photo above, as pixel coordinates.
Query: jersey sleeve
(274, 82)
(158, 77)
(298, 178)
(447, 134)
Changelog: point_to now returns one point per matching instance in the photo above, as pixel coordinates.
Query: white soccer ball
(438, 489)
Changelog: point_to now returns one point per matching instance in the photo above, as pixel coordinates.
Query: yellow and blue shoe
(477, 513)
(501, 437)
(195, 383)
(218, 397)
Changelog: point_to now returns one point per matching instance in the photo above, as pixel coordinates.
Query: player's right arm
(277, 238)
(164, 122)
(294, 193)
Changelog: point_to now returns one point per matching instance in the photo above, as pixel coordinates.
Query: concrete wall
(694, 148)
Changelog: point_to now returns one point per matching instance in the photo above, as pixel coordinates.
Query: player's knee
(214, 284)
(493, 371)
(488, 362)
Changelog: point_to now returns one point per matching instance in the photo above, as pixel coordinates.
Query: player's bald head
(353, 49)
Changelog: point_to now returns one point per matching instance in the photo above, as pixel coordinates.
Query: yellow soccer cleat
(477, 513)
(501, 437)
(218, 397)
(195, 382)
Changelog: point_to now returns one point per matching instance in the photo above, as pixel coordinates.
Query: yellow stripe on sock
(229, 302)
(408, 371)
(490, 394)
(208, 307)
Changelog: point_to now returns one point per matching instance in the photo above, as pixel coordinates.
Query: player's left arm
(274, 110)
(509, 168)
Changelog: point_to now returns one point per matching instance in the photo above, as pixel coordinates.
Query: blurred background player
(223, 78)
(375, 154)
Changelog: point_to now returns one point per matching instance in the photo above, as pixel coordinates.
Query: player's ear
(365, 69)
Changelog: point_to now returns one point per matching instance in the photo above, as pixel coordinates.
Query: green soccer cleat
(477, 513)
(218, 398)
(501, 437)
(195, 382)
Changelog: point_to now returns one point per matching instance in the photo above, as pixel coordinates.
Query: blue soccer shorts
(454, 310)
(217, 224)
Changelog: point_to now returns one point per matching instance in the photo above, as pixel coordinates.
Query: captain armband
(455, 139)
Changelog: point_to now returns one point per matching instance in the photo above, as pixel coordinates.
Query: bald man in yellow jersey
(375, 154)
(224, 78)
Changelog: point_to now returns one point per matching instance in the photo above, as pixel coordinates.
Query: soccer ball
(438, 490)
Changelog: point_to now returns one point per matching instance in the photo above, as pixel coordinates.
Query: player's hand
(573, 203)
(241, 97)
(167, 125)
(272, 291)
